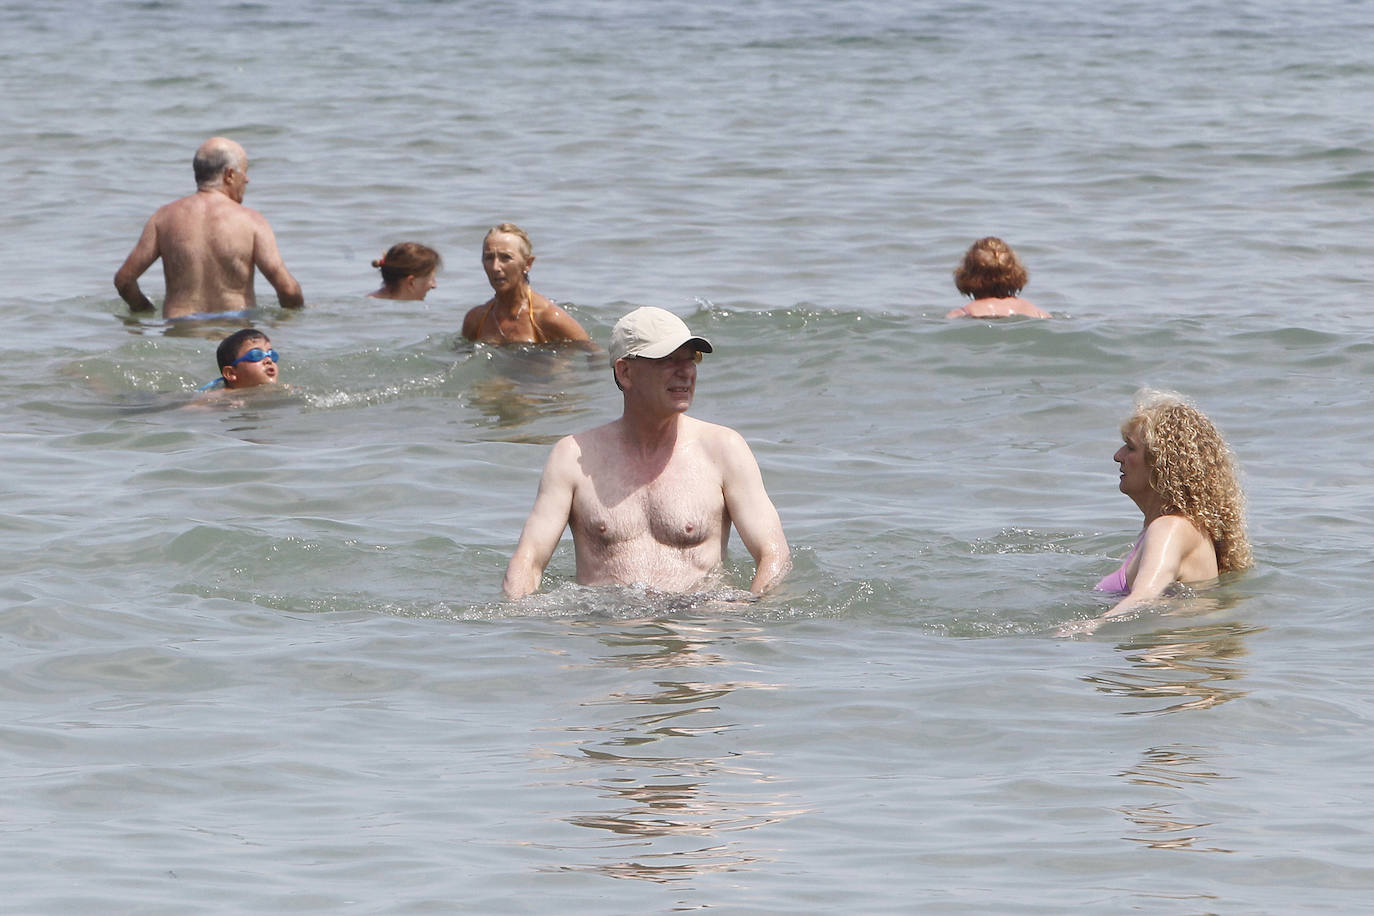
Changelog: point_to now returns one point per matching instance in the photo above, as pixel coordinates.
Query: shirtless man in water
(651, 496)
(209, 243)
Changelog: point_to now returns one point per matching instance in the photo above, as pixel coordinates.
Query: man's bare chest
(682, 507)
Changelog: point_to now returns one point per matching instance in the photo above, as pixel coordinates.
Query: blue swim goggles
(257, 355)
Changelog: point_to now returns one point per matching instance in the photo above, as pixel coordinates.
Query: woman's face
(1130, 458)
(504, 261)
(417, 287)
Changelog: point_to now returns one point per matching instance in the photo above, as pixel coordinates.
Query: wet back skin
(206, 242)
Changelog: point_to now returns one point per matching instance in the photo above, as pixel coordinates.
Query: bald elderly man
(210, 244)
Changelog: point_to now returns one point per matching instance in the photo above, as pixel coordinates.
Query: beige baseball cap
(652, 333)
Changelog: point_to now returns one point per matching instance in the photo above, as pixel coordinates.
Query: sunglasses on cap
(257, 355)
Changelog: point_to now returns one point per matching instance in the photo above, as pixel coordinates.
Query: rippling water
(255, 656)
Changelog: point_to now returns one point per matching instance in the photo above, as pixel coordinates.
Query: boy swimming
(246, 359)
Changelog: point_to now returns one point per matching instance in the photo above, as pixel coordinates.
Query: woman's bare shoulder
(554, 320)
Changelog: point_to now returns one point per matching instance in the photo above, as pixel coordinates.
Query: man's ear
(229, 374)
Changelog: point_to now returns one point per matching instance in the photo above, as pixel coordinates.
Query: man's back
(206, 242)
(209, 243)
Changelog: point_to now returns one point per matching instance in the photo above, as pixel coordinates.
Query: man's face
(668, 383)
(253, 366)
(236, 180)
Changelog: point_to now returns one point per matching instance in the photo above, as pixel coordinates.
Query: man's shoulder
(177, 207)
(567, 459)
(201, 204)
(599, 446)
(227, 208)
(712, 432)
(594, 437)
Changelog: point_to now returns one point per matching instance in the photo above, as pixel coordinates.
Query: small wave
(631, 602)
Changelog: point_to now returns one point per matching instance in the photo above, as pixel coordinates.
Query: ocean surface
(254, 657)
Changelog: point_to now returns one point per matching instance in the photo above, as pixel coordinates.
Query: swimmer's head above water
(507, 257)
(990, 270)
(993, 276)
(1193, 470)
(408, 270)
(246, 359)
(653, 334)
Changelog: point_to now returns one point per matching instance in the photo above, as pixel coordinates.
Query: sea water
(255, 657)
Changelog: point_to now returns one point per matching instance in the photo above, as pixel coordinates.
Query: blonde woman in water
(1180, 473)
(516, 313)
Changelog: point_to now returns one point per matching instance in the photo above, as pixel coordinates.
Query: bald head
(214, 156)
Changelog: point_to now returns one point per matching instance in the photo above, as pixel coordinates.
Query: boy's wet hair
(228, 349)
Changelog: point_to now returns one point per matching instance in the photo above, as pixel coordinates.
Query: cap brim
(666, 347)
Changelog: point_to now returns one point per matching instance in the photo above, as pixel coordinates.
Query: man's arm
(753, 513)
(139, 260)
(544, 527)
(268, 260)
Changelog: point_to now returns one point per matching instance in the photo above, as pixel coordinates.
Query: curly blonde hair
(1194, 471)
(991, 270)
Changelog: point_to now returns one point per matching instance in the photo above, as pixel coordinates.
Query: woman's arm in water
(1167, 540)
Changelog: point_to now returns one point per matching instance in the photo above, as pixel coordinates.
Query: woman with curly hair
(993, 276)
(1178, 469)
